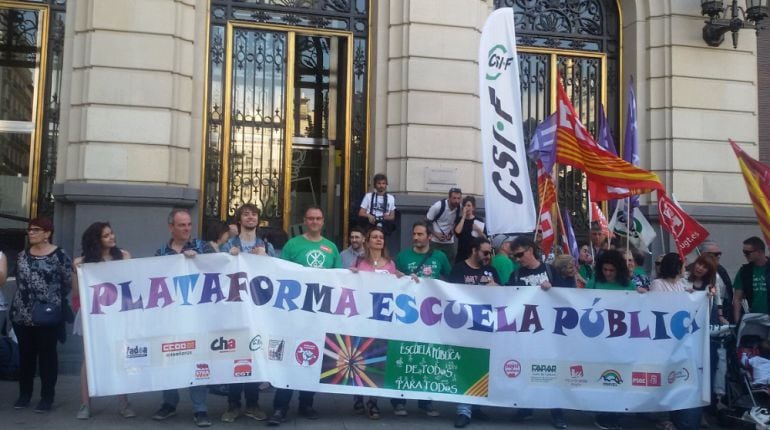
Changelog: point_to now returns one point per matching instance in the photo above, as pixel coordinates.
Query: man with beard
(355, 250)
(247, 240)
(378, 208)
(421, 259)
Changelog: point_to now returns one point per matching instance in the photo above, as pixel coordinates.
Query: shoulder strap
(424, 259)
(371, 203)
(549, 272)
(440, 211)
(747, 274)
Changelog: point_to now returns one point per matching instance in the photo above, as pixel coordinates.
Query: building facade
(120, 110)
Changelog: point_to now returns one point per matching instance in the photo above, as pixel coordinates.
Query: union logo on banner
(687, 233)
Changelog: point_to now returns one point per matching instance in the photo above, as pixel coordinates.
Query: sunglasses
(486, 253)
(519, 254)
(455, 190)
(747, 253)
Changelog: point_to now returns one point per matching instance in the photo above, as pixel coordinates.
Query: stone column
(130, 138)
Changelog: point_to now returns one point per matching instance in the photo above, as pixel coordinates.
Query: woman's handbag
(46, 314)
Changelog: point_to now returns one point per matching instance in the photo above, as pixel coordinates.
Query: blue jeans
(687, 419)
(197, 397)
(464, 409)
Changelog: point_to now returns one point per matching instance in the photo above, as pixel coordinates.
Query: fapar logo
(223, 345)
(611, 378)
(173, 349)
(512, 368)
(498, 61)
(202, 371)
(256, 343)
(682, 374)
(275, 349)
(306, 353)
(645, 379)
(242, 367)
(543, 372)
(136, 351)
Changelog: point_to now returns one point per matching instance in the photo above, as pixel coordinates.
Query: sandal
(358, 405)
(372, 410)
(665, 425)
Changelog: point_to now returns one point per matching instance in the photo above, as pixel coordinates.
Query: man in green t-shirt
(420, 259)
(751, 280)
(503, 260)
(310, 249)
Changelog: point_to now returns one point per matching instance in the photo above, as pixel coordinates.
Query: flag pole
(629, 215)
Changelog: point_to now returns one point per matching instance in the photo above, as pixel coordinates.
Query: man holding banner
(310, 249)
(180, 226)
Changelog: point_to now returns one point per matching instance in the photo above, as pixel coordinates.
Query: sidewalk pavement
(336, 413)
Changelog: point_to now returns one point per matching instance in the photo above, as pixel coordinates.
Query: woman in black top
(44, 278)
(468, 228)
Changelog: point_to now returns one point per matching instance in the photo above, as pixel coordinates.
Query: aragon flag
(757, 177)
(575, 147)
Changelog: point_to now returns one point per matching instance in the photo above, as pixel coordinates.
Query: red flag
(575, 147)
(687, 233)
(598, 216)
(547, 194)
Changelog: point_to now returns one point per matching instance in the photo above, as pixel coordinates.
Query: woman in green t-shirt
(611, 272)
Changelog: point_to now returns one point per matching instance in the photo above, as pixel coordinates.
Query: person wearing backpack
(443, 217)
(378, 208)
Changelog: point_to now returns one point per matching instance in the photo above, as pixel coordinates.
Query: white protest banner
(508, 200)
(170, 322)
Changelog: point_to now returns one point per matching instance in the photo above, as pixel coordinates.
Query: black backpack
(441, 210)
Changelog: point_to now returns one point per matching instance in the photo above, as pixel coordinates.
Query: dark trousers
(687, 419)
(250, 391)
(283, 397)
(37, 346)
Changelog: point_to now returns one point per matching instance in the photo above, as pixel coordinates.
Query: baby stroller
(738, 400)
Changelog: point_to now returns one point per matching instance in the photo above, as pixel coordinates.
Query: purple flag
(630, 148)
(542, 146)
(572, 242)
(605, 137)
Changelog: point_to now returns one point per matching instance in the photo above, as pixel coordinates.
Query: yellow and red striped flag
(576, 147)
(757, 177)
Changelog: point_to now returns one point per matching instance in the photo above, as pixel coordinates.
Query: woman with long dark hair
(43, 279)
(611, 272)
(98, 244)
(669, 274)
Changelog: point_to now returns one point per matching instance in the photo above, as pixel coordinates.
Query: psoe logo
(512, 368)
(275, 349)
(611, 378)
(223, 345)
(136, 351)
(242, 367)
(682, 374)
(498, 61)
(184, 347)
(256, 343)
(306, 353)
(645, 379)
(202, 371)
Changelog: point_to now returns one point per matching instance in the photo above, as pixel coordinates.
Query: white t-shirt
(380, 207)
(667, 286)
(446, 223)
(760, 370)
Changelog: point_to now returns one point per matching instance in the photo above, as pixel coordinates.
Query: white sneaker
(760, 415)
(84, 412)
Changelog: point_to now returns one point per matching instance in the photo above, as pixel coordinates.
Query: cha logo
(306, 353)
(223, 345)
(611, 378)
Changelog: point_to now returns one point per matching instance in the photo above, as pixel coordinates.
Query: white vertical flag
(510, 206)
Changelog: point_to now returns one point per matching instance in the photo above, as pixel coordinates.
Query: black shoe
(277, 418)
(558, 423)
(308, 412)
(43, 406)
(21, 403)
(480, 415)
(523, 415)
(462, 421)
(165, 411)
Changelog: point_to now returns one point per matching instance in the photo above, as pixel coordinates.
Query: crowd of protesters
(450, 244)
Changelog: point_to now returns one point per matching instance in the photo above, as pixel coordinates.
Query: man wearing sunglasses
(752, 279)
(474, 270)
(535, 273)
